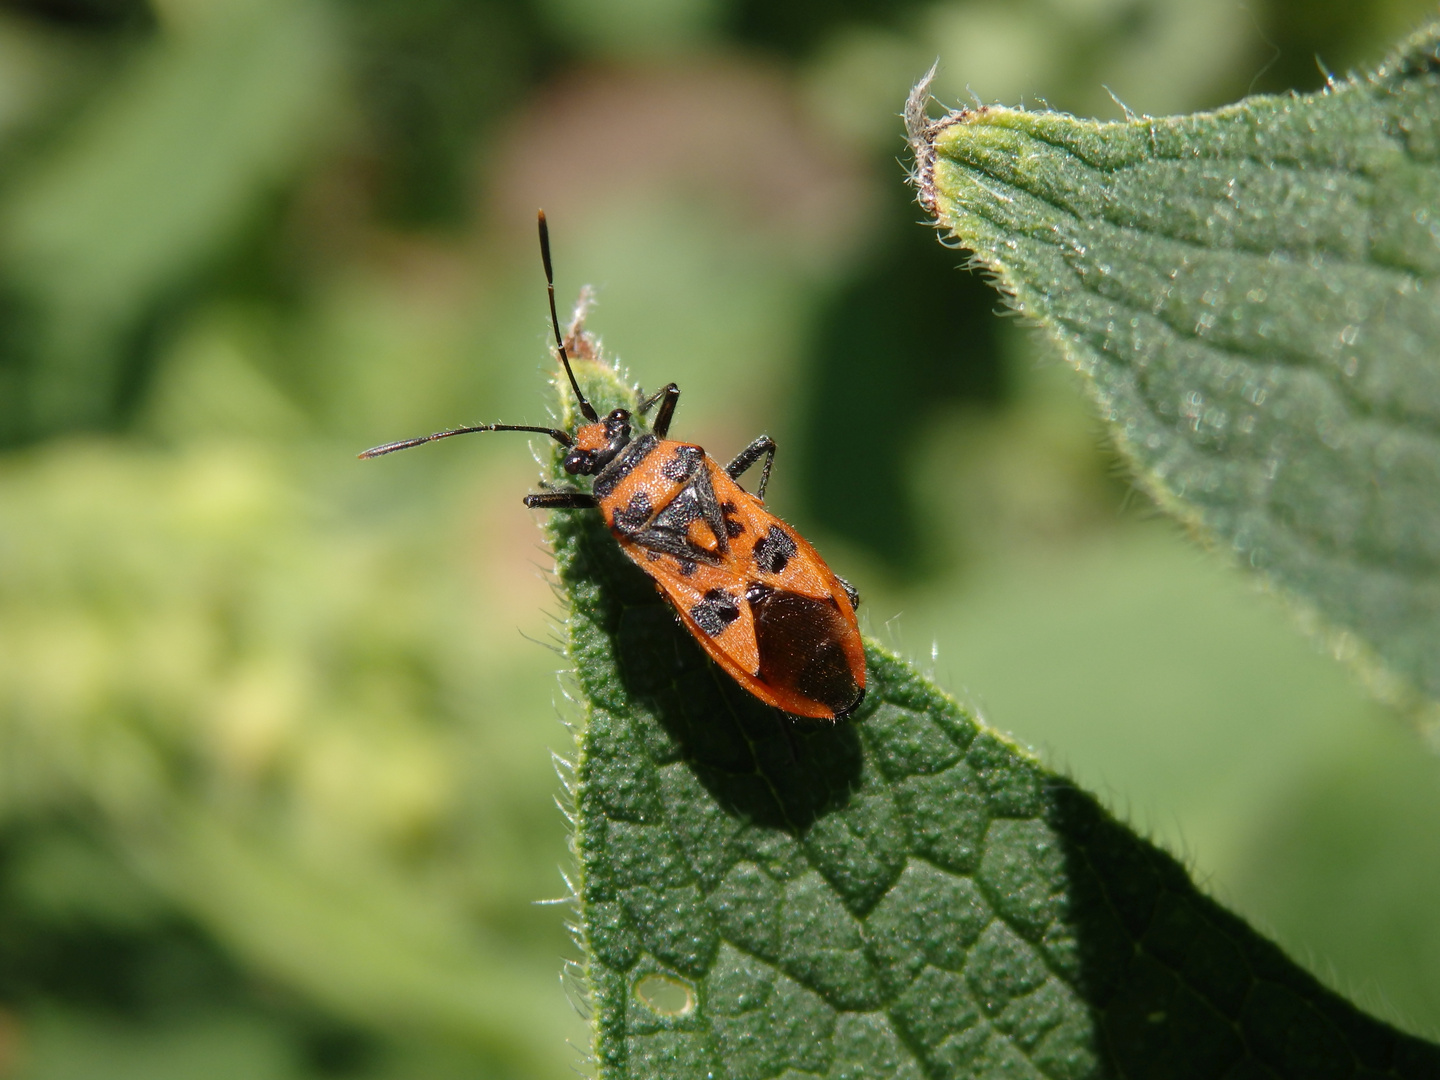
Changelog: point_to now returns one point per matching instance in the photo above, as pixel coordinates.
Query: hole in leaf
(666, 995)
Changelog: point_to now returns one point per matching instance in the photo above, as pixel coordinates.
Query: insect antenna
(563, 438)
(586, 409)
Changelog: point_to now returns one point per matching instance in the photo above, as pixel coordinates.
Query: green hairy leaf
(905, 894)
(1251, 296)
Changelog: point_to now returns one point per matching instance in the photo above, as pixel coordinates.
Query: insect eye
(577, 461)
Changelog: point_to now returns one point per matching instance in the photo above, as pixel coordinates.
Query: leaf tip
(920, 133)
(917, 119)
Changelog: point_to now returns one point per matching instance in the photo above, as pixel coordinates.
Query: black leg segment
(763, 446)
(561, 500)
(669, 397)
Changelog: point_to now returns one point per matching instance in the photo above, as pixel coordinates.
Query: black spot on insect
(682, 464)
(774, 550)
(670, 530)
(686, 566)
(715, 612)
(628, 461)
(633, 515)
(733, 528)
(683, 509)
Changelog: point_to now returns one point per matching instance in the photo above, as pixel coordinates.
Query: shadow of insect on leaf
(758, 763)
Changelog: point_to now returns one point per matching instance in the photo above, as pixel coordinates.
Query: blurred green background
(275, 782)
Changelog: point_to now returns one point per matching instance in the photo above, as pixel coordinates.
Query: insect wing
(806, 636)
(717, 615)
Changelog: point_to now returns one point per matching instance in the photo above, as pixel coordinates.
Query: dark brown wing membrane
(800, 641)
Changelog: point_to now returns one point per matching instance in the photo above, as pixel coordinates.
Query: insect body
(752, 591)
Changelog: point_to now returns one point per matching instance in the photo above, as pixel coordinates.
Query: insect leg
(850, 591)
(764, 445)
(561, 500)
(669, 397)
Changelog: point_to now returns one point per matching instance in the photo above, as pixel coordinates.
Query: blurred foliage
(906, 302)
(273, 783)
(432, 78)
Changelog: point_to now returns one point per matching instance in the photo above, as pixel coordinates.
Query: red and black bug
(751, 590)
